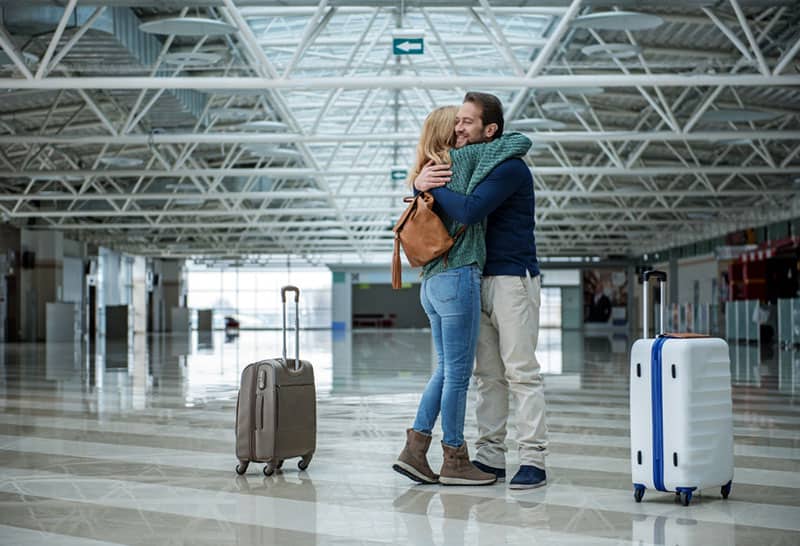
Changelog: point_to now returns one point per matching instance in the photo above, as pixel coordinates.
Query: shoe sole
(464, 481)
(519, 486)
(499, 477)
(410, 472)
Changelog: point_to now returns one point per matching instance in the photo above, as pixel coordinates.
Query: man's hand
(432, 176)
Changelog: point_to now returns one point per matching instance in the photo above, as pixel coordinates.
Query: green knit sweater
(470, 165)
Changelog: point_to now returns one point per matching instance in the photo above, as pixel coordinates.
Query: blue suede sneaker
(528, 477)
(499, 472)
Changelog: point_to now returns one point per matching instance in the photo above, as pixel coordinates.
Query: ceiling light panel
(192, 59)
(613, 51)
(618, 20)
(187, 26)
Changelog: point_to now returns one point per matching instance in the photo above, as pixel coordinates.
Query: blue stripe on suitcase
(657, 413)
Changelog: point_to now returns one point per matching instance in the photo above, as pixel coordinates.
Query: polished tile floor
(134, 445)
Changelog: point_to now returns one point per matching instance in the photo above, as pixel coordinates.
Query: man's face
(469, 126)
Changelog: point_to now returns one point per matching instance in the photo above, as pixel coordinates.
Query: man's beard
(462, 141)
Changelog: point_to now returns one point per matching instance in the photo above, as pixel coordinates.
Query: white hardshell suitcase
(681, 411)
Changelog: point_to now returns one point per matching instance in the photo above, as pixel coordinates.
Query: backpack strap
(406, 213)
(458, 234)
(397, 269)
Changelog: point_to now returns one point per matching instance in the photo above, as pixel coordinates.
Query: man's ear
(490, 130)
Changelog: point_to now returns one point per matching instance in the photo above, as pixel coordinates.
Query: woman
(450, 295)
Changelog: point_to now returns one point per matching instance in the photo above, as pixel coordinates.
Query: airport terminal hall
(413, 272)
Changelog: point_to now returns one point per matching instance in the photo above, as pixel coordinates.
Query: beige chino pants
(506, 363)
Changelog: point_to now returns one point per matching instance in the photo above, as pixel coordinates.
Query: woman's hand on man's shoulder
(433, 176)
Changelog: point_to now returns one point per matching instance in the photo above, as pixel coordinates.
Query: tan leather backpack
(422, 234)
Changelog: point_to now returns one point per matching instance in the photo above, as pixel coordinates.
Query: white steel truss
(642, 159)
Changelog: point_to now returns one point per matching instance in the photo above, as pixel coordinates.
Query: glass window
(550, 310)
(247, 280)
(252, 296)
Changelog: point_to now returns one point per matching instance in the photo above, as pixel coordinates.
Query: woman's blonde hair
(436, 139)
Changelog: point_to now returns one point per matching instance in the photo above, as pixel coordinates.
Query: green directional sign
(399, 175)
(408, 46)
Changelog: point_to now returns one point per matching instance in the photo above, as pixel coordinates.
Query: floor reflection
(132, 442)
(204, 366)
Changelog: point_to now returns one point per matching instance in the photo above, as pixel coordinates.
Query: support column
(672, 276)
(169, 291)
(41, 279)
(342, 301)
(9, 283)
(634, 302)
(139, 299)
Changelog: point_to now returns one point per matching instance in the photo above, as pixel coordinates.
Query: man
(510, 296)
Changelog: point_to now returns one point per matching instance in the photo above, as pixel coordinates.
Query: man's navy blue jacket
(505, 198)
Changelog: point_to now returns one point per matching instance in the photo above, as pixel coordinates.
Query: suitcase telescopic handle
(662, 281)
(296, 325)
(290, 288)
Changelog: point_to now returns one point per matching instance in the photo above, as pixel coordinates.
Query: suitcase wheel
(726, 490)
(303, 463)
(279, 465)
(241, 468)
(638, 494)
(269, 469)
(686, 497)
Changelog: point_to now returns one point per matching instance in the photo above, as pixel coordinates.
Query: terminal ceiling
(274, 130)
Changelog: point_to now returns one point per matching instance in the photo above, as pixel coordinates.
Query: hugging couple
(483, 301)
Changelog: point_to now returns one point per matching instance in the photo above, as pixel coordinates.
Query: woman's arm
(432, 176)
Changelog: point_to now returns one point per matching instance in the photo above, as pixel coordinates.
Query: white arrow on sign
(409, 46)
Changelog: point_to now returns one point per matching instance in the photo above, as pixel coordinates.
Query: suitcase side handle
(662, 281)
(296, 291)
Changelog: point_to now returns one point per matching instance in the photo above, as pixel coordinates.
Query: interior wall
(701, 270)
(10, 295)
(73, 280)
(116, 277)
(380, 301)
(168, 291)
(41, 282)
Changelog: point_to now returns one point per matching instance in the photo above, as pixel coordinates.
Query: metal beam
(76, 36)
(762, 64)
(301, 172)
(405, 82)
(552, 41)
(730, 35)
(318, 229)
(373, 194)
(281, 138)
(262, 65)
(51, 48)
(496, 35)
(368, 211)
(7, 45)
(787, 58)
(315, 25)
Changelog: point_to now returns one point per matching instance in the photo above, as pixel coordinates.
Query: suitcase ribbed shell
(697, 417)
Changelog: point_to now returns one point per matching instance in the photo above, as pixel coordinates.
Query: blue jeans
(452, 301)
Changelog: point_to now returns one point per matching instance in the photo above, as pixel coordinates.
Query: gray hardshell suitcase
(276, 411)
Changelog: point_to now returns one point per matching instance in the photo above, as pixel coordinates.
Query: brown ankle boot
(413, 460)
(458, 470)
